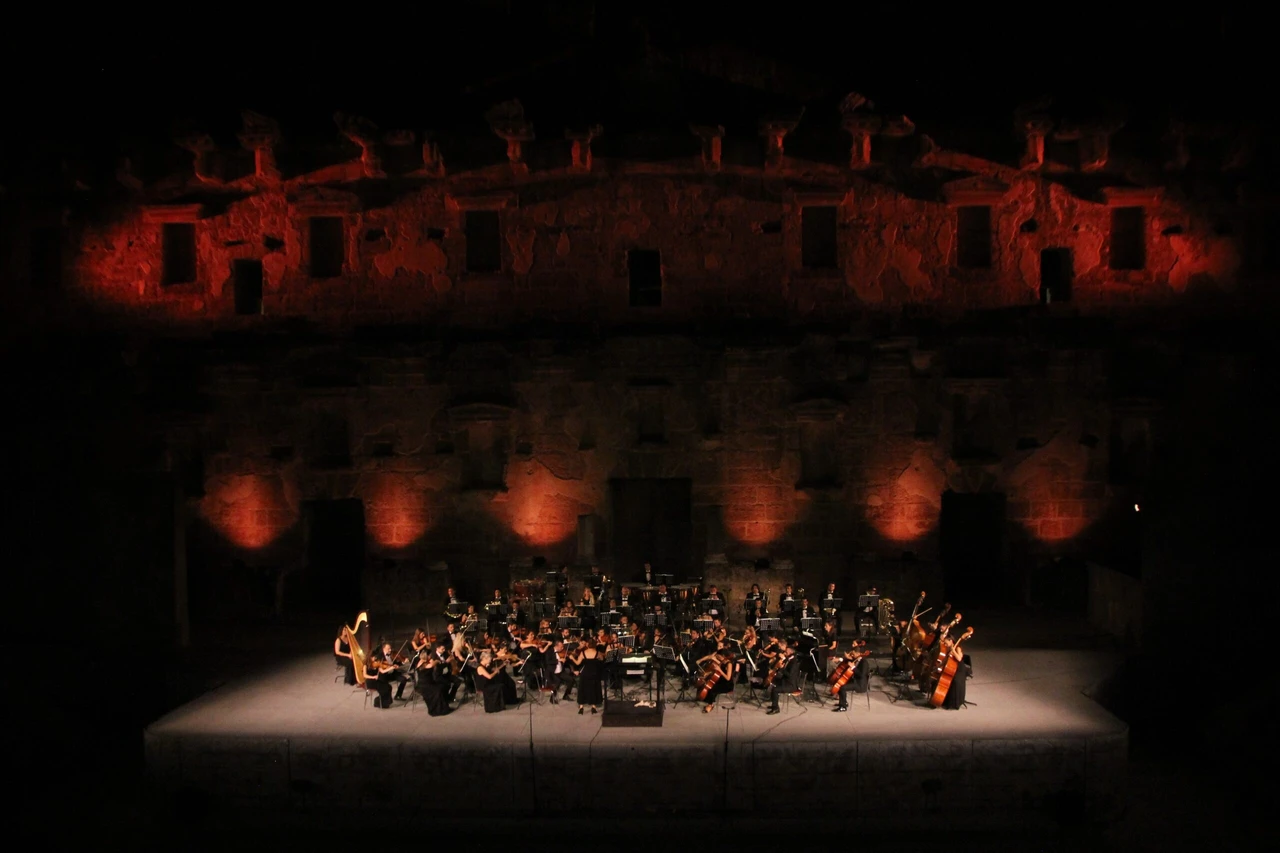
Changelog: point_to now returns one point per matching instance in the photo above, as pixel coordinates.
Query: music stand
(832, 604)
(659, 619)
(495, 611)
(664, 577)
(810, 623)
(768, 623)
(573, 623)
(609, 618)
(703, 624)
(628, 641)
(663, 655)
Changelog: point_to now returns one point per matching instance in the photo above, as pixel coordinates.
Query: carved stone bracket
(1035, 130)
(364, 133)
(507, 121)
(712, 139)
(774, 132)
(861, 128)
(261, 135)
(202, 148)
(581, 148)
(432, 159)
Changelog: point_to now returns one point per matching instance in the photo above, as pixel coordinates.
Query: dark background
(87, 538)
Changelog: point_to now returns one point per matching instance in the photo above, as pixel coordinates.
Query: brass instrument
(886, 614)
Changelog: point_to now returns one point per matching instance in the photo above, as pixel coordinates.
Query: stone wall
(973, 784)
(827, 452)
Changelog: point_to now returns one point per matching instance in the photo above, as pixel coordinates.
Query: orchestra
(609, 634)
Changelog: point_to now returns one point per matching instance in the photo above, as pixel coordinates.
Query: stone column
(261, 135)
(364, 133)
(712, 138)
(861, 128)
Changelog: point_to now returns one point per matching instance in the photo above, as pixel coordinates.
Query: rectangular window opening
(644, 270)
(1055, 275)
(973, 237)
(328, 246)
(484, 241)
(178, 253)
(248, 285)
(818, 246)
(1128, 238)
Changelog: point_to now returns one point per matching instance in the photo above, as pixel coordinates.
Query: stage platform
(293, 743)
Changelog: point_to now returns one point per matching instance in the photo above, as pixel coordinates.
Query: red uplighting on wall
(250, 511)
(396, 514)
(543, 509)
(757, 508)
(905, 522)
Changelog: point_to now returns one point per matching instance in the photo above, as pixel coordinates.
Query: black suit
(786, 681)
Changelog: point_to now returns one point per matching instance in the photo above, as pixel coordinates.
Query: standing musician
(444, 669)
(555, 668)
(496, 617)
(598, 583)
(829, 606)
(826, 645)
(897, 631)
(758, 610)
(389, 670)
(451, 602)
(782, 675)
(720, 663)
(491, 680)
(715, 610)
(342, 654)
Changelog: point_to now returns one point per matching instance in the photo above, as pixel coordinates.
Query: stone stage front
(292, 742)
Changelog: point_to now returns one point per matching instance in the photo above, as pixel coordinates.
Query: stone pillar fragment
(261, 135)
(364, 133)
(774, 133)
(581, 148)
(861, 128)
(201, 146)
(712, 138)
(1035, 131)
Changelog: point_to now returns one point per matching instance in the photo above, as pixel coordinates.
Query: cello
(710, 677)
(847, 667)
(949, 669)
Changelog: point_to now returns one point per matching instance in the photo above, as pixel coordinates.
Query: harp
(353, 635)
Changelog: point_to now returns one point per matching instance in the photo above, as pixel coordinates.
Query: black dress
(492, 689)
(348, 667)
(590, 690)
(434, 690)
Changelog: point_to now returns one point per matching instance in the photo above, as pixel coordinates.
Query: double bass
(845, 670)
(912, 637)
(933, 641)
(949, 669)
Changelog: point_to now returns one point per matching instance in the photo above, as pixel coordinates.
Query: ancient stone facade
(787, 338)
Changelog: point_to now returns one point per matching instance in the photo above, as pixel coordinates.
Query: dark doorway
(1055, 276)
(652, 521)
(248, 280)
(971, 542)
(335, 546)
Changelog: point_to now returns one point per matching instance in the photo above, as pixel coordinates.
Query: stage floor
(1032, 747)
(1014, 694)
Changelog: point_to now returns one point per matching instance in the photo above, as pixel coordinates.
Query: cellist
(721, 664)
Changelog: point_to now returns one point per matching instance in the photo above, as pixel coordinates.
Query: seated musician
(722, 663)
(597, 582)
(568, 610)
(555, 665)
(783, 676)
(470, 620)
(496, 611)
(624, 601)
(786, 605)
(718, 633)
(806, 611)
(664, 597)
(756, 612)
(444, 669)
(433, 680)
(492, 684)
(391, 670)
(374, 668)
(420, 644)
(716, 611)
(828, 605)
(342, 654)
(587, 608)
(451, 603)
(749, 647)
(859, 683)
